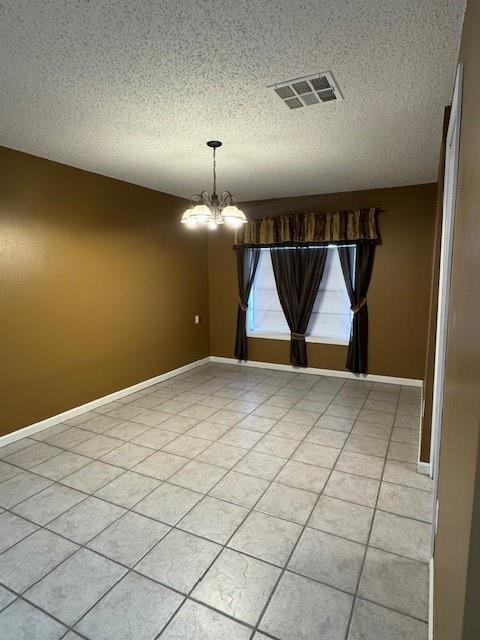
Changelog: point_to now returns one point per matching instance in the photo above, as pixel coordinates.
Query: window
(331, 317)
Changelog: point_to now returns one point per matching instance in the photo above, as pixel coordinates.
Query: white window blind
(331, 317)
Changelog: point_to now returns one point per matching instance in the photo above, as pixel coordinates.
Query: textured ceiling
(133, 89)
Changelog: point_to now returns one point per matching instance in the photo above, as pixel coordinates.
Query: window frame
(271, 335)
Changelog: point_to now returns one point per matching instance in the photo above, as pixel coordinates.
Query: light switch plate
(196, 319)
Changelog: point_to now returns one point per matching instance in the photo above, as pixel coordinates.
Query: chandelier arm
(202, 197)
(226, 199)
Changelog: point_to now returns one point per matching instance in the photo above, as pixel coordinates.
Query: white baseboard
(71, 413)
(430, 600)
(371, 377)
(424, 468)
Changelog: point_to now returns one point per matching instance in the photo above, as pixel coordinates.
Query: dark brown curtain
(298, 273)
(357, 265)
(247, 261)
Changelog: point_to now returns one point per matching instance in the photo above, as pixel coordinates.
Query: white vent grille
(308, 91)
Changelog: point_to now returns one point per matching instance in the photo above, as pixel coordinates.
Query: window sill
(286, 336)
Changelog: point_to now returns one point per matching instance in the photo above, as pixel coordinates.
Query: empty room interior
(239, 336)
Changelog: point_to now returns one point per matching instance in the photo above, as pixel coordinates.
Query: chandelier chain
(214, 171)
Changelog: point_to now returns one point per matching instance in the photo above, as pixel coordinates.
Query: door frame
(452, 147)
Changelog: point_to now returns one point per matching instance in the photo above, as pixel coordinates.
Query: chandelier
(209, 209)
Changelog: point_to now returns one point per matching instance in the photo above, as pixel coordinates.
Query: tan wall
(398, 297)
(98, 287)
(457, 559)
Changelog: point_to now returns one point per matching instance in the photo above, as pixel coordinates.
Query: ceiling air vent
(309, 90)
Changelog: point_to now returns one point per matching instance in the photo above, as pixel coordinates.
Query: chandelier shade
(210, 210)
(196, 215)
(233, 216)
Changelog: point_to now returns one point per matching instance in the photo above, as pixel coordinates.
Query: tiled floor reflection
(228, 502)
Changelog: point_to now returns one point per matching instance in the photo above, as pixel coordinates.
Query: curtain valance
(313, 229)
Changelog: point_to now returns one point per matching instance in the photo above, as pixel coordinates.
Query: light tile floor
(227, 502)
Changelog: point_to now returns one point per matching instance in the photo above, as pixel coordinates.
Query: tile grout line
(31, 470)
(99, 533)
(132, 510)
(225, 546)
(284, 569)
(222, 548)
(132, 469)
(316, 502)
(362, 566)
(250, 509)
(271, 427)
(124, 470)
(80, 546)
(168, 480)
(159, 426)
(83, 546)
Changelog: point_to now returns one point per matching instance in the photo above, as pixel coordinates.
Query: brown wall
(100, 283)
(98, 287)
(399, 293)
(457, 559)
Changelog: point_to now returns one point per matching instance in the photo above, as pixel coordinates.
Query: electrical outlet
(196, 319)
